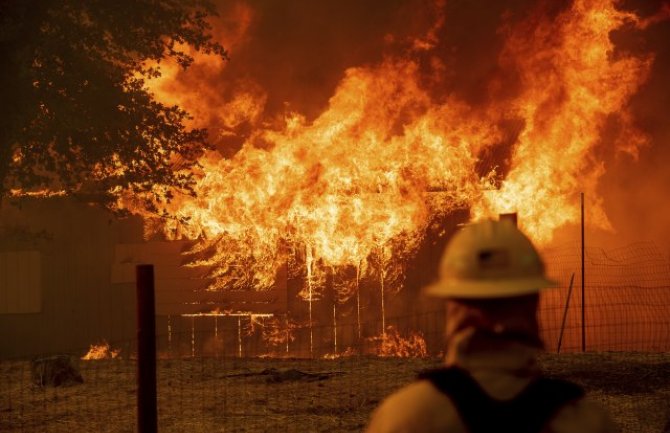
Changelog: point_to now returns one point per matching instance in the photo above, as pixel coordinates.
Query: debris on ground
(275, 375)
(58, 370)
(292, 375)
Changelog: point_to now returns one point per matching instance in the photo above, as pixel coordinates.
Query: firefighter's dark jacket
(502, 370)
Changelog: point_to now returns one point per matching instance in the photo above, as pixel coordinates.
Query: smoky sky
(297, 52)
(637, 191)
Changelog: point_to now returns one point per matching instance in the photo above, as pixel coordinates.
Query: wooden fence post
(147, 415)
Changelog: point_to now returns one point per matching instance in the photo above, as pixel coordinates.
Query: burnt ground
(272, 395)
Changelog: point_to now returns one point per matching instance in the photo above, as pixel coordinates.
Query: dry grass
(245, 395)
(635, 387)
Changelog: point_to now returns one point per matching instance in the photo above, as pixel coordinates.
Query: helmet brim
(482, 289)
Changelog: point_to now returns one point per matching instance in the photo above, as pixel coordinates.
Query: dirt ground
(272, 395)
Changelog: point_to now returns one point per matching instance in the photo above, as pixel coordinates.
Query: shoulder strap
(528, 412)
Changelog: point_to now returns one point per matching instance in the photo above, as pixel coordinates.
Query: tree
(75, 113)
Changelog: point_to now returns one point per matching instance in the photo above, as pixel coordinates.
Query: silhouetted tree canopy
(75, 114)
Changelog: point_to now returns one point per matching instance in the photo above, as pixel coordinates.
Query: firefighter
(490, 276)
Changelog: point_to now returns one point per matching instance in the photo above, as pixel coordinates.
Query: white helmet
(489, 259)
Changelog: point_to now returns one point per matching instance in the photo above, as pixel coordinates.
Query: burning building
(354, 184)
(347, 154)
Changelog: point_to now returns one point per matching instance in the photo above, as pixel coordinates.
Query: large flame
(343, 185)
(366, 176)
(393, 344)
(572, 83)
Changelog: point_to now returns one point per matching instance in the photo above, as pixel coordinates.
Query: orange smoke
(225, 106)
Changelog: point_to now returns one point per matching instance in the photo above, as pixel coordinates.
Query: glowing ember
(101, 351)
(349, 351)
(393, 344)
(278, 334)
(43, 193)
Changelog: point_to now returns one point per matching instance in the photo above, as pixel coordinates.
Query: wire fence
(214, 389)
(210, 383)
(254, 373)
(626, 299)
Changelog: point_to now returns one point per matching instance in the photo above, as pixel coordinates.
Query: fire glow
(358, 185)
(393, 344)
(101, 351)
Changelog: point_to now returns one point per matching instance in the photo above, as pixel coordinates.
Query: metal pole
(239, 336)
(381, 278)
(565, 314)
(308, 265)
(147, 421)
(583, 297)
(358, 302)
(335, 327)
(334, 291)
(288, 334)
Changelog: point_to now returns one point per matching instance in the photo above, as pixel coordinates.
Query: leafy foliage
(75, 112)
